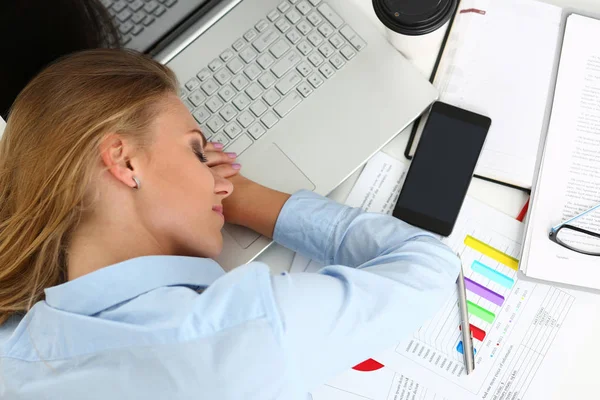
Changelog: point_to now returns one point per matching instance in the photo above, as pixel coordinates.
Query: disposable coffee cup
(415, 26)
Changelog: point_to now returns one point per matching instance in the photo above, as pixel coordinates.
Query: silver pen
(464, 322)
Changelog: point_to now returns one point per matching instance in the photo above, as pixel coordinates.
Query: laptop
(305, 91)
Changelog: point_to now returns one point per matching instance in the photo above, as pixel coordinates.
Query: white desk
(509, 201)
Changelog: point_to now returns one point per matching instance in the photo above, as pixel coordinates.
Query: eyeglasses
(575, 238)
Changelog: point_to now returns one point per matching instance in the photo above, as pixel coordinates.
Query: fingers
(226, 170)
(216, 157)
(213, 146)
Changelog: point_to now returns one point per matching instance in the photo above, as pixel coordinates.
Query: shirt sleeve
(384, 279)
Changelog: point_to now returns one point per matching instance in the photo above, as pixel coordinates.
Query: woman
(109, 217)
(37, 32)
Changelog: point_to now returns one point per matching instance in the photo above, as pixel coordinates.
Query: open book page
(569, 181)
(499, 62)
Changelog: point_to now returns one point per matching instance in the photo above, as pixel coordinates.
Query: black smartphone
(442, 168)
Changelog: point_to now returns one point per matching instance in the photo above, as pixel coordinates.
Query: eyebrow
(204, 142)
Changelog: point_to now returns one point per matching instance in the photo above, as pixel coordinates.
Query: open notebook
(569, 173)
(498, 61)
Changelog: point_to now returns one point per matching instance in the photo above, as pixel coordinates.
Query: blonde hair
(49, 152)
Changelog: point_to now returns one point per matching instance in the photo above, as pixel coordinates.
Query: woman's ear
(116, 154)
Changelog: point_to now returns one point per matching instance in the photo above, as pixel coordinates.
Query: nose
(223, 187)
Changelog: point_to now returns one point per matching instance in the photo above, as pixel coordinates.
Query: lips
(218, 210)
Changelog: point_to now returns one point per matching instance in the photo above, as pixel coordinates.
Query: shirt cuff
(306, 222)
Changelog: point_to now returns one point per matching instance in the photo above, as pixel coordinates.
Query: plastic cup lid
(414, 17)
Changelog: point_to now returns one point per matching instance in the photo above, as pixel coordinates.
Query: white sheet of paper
(503, 70)
(569, 181)
(376, 190)
(533, 332)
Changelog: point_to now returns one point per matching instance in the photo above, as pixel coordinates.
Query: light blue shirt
(145, 329)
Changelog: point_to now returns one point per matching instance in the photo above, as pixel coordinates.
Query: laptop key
(258, 108)
(315, 18)
(238, 44)
(252, 71)
(214, 104)
(138, 17)
(337, 61)
(125, 27)
(315, 38)
(315, 80)
(118, 6)
(136, 5)
(196, 98)
(304, 7)
(201, 114)
(170, 3)
(254, 91)
(327, 70)
(337, 41)
(204, 74)
(245, 119)
(192, 84)
(304, 69)
(288, 82)
(256, 130)
(124, 15)
(248, 54)
(160, 11)
(330, 15)
(215, 123)
(293, 36)
(327, 50)
(215, 64)
(235, 65)
(271, 97)
(210, 86)
(353, 38)
(250, 35)
(227, 55)
(269, 119)
(265, 40)
(315, 2)
(288, 103)
(241, 101)
(304, 47)
(273, 15)
(348, 52)
(240, 145)
(283, 7)
(149, 20)
(283, 25)
(106, 3)
(261, 25)
(316, 59)
(227, 92)
(293, 16)
(150, 6)
(265, 60)
(240, 82)
(326, 29)
(304, 27)
(286, 63)
(233, 130)
(304, 89)
(220, 138)
(228, 112)
(267, 80)
(223, 76)
(279, 48)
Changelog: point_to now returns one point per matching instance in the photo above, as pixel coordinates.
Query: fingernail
(217, 145)
(232, 155)
(236, 166)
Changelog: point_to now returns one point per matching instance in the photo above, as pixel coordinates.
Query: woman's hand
(222, 163)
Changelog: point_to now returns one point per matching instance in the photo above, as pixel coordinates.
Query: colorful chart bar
(492, 274)
(491, 252)
(460, 349)
(477, 333)
(484, 292)
(480, 312)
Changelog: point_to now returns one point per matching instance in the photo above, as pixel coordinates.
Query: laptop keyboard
(269, 71)
(132, 16)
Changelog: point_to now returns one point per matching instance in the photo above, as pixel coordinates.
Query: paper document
(569, 181)
(525, 333)
(498, 62)
(376, 190)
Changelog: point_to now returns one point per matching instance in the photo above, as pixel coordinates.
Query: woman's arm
(384, 279)
(253, 206)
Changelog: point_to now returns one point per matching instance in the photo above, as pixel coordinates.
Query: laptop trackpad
(271, 168)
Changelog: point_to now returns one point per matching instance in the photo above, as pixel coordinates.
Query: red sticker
(368, 366)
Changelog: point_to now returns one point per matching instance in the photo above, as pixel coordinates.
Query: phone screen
(442, 168)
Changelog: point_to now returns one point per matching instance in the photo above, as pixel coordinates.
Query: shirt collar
(120, 282)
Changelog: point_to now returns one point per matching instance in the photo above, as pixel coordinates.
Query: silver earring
(137, 182)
